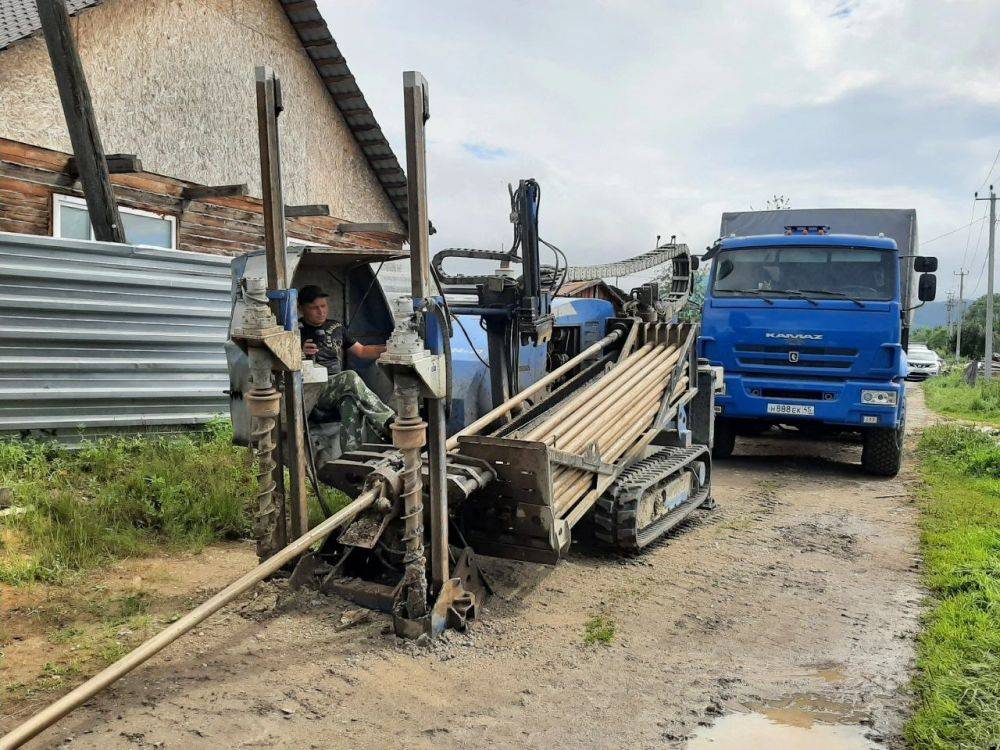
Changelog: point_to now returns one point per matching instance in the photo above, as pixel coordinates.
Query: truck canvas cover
(899, 224)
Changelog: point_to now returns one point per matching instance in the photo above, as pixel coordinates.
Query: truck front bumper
(764, 399)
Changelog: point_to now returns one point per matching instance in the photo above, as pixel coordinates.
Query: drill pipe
(409, 435)
(566, 408)
(588, 421)
(531, 390)
(55, 711)
(570, 484)
(628, 405)
(559, 428)
(630, 454)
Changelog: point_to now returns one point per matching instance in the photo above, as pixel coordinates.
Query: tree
(974, 328)
(692, 312)
(776, 203)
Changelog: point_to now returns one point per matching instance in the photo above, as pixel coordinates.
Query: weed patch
(599, 629)
(119, 498)
(958, 685)
(948, 394)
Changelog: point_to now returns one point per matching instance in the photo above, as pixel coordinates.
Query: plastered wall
(173, 81)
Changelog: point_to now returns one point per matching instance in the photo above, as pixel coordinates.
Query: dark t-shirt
(332, 339)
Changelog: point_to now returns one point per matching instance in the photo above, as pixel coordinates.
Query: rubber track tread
(615, 513)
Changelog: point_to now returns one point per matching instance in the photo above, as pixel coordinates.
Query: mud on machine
(593, 411)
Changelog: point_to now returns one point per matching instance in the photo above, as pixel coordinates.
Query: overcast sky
(643, 118)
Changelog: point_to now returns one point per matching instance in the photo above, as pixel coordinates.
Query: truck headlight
(881, 398)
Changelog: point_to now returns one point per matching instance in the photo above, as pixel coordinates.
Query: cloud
(647, 117)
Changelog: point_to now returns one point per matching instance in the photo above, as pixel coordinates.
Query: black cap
(310, 293)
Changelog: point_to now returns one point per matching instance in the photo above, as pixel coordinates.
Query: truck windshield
(856, 273)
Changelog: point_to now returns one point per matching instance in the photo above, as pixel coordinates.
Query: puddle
(805, 709)
(758, 732)
(827, 671)
(798, 722)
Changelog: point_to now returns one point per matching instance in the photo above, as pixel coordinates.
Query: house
(172, 83)
(98, 338)
(595, 289)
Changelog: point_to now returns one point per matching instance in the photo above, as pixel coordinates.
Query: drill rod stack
(559, 460)
(610, 416)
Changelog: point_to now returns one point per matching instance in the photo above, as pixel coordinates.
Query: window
(790, 271)
(72, 221)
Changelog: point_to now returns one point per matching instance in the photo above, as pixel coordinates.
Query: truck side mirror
(927, 286)
(925, 264)
(695, 262)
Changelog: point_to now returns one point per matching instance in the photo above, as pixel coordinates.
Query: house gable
(173, 82)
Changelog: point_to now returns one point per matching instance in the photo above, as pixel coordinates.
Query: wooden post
(80, 121)
(268, 109)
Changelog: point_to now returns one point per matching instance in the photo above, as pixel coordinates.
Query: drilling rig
(579, 409)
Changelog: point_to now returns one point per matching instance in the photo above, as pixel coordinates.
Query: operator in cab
(327, 342)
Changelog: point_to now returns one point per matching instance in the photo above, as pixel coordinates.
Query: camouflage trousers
(359, 409)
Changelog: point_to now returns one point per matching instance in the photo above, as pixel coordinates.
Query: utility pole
(988, 353)
(950, 306)
(961, 273)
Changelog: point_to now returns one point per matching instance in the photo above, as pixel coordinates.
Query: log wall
(30, 176)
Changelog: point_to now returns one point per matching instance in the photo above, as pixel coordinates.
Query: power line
(948, 234)
(979, 241)
(968, 237)
(990, 173)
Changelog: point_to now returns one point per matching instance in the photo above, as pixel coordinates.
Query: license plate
(794, 410)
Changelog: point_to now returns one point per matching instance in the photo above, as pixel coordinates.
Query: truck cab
(808, 328)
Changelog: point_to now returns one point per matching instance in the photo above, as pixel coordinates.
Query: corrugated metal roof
(343, 87)
(19, 18)
(99, 337)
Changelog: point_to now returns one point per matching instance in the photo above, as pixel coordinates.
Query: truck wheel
(724, 440)
(882, 453)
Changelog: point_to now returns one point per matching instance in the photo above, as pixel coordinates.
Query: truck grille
(794, 357)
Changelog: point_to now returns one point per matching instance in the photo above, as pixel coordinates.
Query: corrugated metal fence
(98, 337)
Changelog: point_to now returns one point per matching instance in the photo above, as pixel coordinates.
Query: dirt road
(797, 598)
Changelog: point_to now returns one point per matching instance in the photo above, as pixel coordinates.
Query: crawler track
(618, 517)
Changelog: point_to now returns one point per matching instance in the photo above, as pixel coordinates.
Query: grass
(119, 498)
(958, 683)
(948, 394)
(599, 629)
(104, 628)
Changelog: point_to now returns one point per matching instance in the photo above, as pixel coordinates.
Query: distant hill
(935, 314)
(931, 315)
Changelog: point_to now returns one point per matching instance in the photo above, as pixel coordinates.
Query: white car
(923, 362)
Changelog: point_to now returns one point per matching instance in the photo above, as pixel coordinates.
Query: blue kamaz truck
(808, 313)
